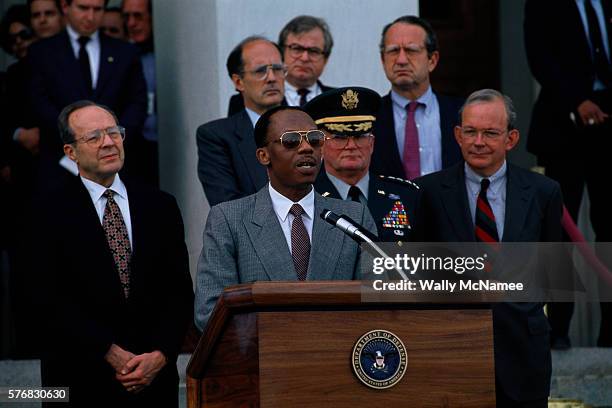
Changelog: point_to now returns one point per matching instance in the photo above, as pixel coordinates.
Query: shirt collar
(74, 36)
(254, 116)
(496, 179)
(426, 99)
(312, 88)
(282, 204)
(343, 187)
(96, 190)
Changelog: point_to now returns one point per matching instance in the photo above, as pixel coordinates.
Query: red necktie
(412, 158)
(300, 243)
(486, 229)
(118, 240)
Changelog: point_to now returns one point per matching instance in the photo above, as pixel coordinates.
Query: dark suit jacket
(56, 81)
(566, 80)
(386, 158)
(236, 103)
(533, 214)
(81, 301)
(227, 166)
(384, 196)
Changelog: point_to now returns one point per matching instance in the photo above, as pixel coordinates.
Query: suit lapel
(518, 196)
(246, 146)
(105, 68)
(387, 141)
(325, 249)
(268, 239)
(324, 185)
(455, 202)
(70, 67)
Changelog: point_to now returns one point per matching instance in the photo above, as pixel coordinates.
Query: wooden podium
(290, 344)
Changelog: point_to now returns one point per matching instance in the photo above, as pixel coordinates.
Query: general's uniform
(392, 201)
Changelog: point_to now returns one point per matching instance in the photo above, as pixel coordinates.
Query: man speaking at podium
(277, 234)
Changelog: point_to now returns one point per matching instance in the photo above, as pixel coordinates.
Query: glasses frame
(95, 137)
(297, 50)
(262, 76)
(366, 137)
(303, 135)
(487, 134)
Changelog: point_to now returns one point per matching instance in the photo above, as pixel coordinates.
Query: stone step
(579, 373)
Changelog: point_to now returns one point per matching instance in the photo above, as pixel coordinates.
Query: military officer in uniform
(346, 115)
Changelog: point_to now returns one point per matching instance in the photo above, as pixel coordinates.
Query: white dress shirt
(96, 192)
(254, 116)
(282, 205)
(93, 51)
(293, 97)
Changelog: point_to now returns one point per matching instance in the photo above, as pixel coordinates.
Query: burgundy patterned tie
(300, 243)
(486, 229)
(412, 158)
(118, 240)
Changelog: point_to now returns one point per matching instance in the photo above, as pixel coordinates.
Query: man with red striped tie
(487, 199)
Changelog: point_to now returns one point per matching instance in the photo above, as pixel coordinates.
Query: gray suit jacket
(244, 242)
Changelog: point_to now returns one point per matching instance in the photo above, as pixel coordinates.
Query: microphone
(349, 227)
(357, 233)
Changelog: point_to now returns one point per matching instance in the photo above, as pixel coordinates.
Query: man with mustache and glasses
(346, 116)
(414, 127)
(110, 275)
(227, 166)
(306, 43)
(277, 234)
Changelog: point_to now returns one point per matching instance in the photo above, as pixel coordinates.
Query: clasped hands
(135, 372)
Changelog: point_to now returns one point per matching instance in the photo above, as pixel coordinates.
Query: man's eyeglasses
(293, 139)
(261, 72)
(411, 50)
(489, 134)
(24, 35)
(341, 141)
(95, 137)
(296, 51)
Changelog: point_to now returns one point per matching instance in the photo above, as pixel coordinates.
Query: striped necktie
(486, 229)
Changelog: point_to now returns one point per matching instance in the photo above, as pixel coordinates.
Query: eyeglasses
(260, 73)
(411, 50)
(24, 35)
(489, 134)
(296, 51)
(341, 141)
(95, 137)
(293, 139)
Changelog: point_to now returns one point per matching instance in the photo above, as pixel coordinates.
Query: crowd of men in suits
(411, 165)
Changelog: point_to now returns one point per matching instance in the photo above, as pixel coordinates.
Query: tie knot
(484, 184)
(354, 193)
(296, 210)
(303, 91)
(108, 194)
(412, 106)
(83, 40)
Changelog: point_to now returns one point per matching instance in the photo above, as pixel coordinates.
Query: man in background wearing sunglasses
(111, 274)
(277, 234)
(346, 116)
(227, 166)
(306, 43)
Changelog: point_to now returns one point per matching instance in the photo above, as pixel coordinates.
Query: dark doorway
(468, 36)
